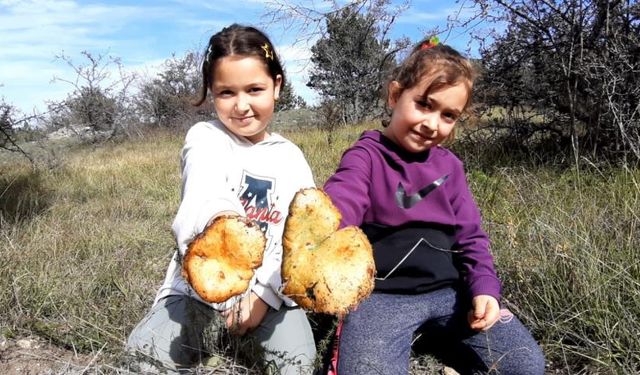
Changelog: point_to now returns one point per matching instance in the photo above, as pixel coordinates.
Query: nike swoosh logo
(405, 201)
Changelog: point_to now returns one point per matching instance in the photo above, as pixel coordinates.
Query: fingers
(245, 315)
(485, 312)
(229, 316)
(233, 319)
(492, 315)
(479, 309)
(475, 323)
(238, 318)
(235, 323)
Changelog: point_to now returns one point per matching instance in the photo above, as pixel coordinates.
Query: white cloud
(417, 17)
(220, 6)
(143, 33)
(35, 31)
(29, 85)
(291, 52)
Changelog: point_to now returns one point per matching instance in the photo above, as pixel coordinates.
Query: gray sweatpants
(179, 332)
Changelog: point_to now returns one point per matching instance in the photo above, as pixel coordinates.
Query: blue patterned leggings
(377, 338)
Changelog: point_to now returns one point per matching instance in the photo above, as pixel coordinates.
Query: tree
(6, 124)
(8, 114)
(166, 99)
(91, 107)
(288, 98)
(98, 102)
(351, 62)
(352, 52)
(566, 70)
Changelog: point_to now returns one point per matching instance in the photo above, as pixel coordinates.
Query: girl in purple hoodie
(435, 274)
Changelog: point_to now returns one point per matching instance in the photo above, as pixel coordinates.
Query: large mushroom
(220, 262)
(324, 269)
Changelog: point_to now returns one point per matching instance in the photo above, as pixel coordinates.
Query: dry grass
(85, 246)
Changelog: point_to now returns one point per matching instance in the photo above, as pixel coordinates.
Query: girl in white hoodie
(233, 165)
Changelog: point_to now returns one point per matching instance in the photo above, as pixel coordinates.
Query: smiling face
(424, 118)
(244, 95)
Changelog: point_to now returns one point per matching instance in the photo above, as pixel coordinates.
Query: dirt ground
(33, 356)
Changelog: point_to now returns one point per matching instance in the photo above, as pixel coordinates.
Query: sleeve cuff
(210, 208)
(267, 295)
(486, 285)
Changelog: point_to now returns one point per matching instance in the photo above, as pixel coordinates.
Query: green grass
(86, 243)
(566, 247)
(85, 246)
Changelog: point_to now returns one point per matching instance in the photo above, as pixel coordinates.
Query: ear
(394, 91)
(276, 88)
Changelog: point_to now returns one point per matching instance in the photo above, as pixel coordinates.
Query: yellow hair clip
(268, 54)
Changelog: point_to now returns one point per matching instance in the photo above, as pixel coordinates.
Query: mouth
(422, 136)
(243, 119)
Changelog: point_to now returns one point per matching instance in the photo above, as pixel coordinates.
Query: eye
(224, 93)
(450, 116)
(256, 89)
(423, 103)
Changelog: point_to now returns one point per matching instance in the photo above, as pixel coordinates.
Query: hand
(484, 313)
(246, 314)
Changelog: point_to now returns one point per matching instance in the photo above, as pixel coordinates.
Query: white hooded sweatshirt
(223, 172)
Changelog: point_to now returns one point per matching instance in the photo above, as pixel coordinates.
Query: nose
(430, 122)
(242, 104)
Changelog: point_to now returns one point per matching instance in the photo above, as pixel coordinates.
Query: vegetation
(288, 99)
(99, 102)
(165, 99)
(552, 160)
(566, 72)
(85, 247)
(6, 122)
(351, 62)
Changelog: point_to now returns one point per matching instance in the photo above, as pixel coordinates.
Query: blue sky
(144, 33)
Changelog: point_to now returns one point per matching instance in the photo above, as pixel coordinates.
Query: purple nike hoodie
(419, 214)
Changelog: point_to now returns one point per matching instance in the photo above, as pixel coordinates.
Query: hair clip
(208, 53)
(432, 42)
(267, 53)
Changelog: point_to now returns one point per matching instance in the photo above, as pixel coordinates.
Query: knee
(527, 360)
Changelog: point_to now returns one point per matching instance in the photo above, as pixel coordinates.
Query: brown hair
(438, 66)
(238, 40)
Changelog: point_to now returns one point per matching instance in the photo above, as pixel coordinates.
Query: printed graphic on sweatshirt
(421, 241)
(256, 198)
(407, 201)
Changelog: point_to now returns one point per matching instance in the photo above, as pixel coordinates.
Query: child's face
(419, 122)
(244, 95)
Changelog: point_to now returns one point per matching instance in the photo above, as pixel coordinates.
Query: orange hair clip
(432, 42)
